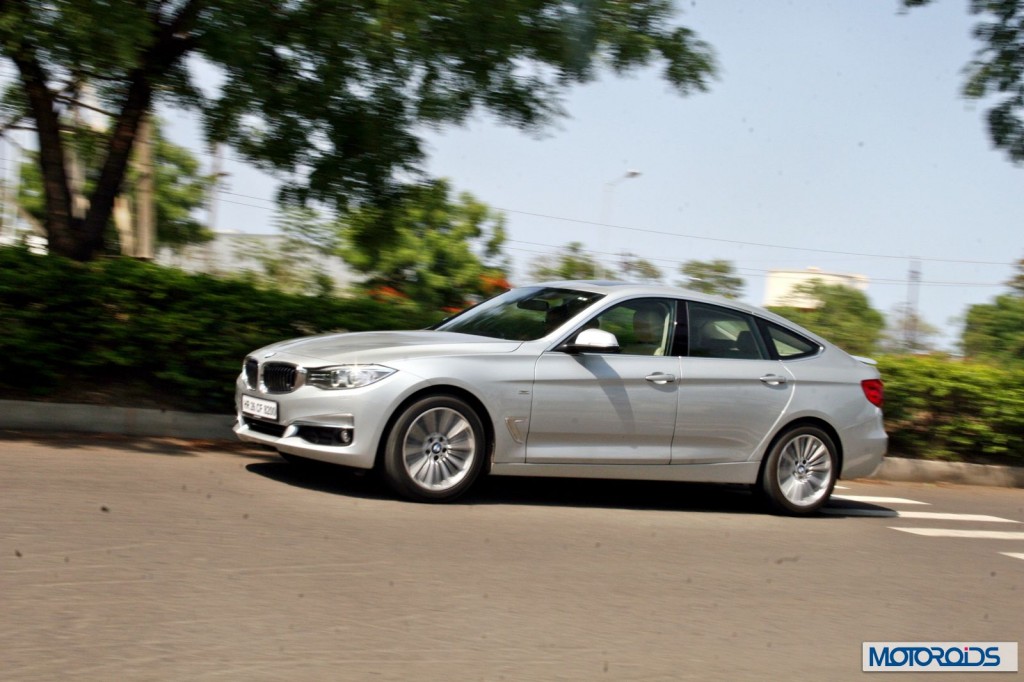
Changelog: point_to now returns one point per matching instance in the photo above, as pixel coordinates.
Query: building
(780, 285)
(264, 255)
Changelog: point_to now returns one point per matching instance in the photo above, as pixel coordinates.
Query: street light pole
(606, 203)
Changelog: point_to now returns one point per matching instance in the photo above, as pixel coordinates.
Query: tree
(712, 277)
(179, 187)
(572, 263)
(997, 70)
(843, 316)
(1016, 282)
(636, 268)
(995, 331)
(440, 251)
(330, 95)
(907, 332)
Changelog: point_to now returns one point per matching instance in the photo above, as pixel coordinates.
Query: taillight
(874, 391)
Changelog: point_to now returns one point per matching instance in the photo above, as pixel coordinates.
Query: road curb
(926, 471)
(18, 415)
(129, 421)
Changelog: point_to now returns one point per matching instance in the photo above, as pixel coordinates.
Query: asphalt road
(160, 560)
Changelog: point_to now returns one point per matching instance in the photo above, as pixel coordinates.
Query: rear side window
(717, 332)
(790, 345)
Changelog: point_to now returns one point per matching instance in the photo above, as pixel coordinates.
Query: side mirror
(592, 341)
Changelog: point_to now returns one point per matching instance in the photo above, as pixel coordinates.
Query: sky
(835, 136)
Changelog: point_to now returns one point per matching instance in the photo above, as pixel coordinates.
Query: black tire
(435, 450)
(800, 471)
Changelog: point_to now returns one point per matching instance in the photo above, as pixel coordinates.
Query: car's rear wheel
(800, 471)
(435, 450)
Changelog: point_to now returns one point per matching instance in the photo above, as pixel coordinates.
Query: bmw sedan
(576, 379)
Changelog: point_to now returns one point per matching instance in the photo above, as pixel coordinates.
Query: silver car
(576, 379)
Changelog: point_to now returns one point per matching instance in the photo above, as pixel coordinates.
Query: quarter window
(789, 345)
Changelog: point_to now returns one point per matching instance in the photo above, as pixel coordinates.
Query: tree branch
(171, 44)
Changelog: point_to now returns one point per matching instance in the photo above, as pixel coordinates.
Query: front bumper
(298, 439)
(339, 427)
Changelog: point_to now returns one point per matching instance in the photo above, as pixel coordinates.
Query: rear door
(731, 393)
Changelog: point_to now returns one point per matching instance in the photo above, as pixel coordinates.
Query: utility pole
(144, 192)
(216, 172)
(910, 316)
(7, 214)
(76, 175)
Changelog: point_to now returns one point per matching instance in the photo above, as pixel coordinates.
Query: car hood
(366, 347)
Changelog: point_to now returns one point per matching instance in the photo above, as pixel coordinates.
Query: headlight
(347, 376)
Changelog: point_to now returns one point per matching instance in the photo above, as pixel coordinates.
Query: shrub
(125, 330)
(177, 336)
(940, 408)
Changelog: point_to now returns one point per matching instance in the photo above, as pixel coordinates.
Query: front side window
(717, 332)
(643, 326)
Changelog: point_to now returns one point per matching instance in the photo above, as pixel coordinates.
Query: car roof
(631, 289)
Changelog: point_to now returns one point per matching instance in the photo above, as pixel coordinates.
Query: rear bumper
(864, 448)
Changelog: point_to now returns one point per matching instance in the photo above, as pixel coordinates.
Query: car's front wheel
(435, 450)
(800, 471)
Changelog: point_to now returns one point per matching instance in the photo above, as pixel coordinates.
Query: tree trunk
(171, 44)
(82, 239)
(61, 226)
(126, 127)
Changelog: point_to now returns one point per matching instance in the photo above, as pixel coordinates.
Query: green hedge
(125, 328)
(940, 408)
(121, 330)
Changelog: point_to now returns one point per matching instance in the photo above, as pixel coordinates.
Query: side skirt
(731, 472)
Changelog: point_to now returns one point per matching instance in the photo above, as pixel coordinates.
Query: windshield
(521, 314)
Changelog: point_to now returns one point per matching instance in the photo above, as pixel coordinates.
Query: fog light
(326, 435)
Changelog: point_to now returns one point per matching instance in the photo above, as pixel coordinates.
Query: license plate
(259, 408)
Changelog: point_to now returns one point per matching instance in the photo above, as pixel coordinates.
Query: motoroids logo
(940, 656)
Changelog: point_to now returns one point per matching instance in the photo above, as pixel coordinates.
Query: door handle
(773, 380)
(660, 378)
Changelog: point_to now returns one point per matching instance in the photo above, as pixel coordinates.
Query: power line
(704, 238)
(750, 272)
(246, 196)
(747, 243)
(747, 272)
(737, 242)
(240, 203)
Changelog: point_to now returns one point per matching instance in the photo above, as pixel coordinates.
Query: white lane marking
(877, 500)
(842, 487)
(1013, 555)
(931, 516)
(942, 516)
(974, 534)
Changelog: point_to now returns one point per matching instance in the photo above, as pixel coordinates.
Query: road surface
(143, 559)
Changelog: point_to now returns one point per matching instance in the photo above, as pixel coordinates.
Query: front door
(610, 408)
